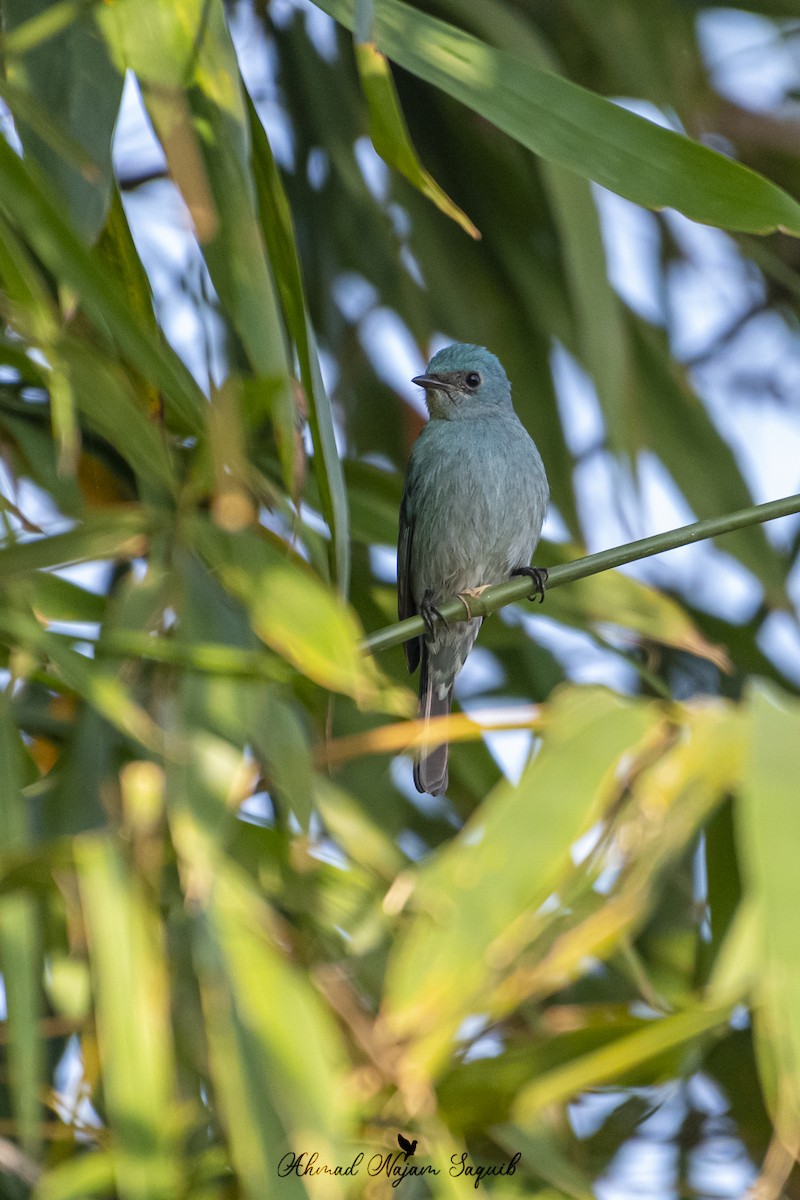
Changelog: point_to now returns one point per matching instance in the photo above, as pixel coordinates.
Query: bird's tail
(430, 768)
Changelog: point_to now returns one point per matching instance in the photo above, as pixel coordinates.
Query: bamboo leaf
(292, 612)
(133, 1019)
(81, 1177)
(47, 23)
(275, 1066)
(118, 250)
(667, 413)
(35, 315)
(26, 200)
(71, 79)
(204, 131)
(279, 237)
(281, 740)
(575, 127)
(673, 789)
(620, 1057)
(22, 966)
(615, 599)
(101, 688)
(105, 396)
(100, 536)
(443, 964)
(765, 812)
(603, 336)
(390, 135)
(20, 949)
(53, 598)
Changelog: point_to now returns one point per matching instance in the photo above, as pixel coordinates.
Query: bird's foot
(467, 592)
(539, 577)
(428, 610)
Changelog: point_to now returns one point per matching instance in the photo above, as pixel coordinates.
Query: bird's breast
(480, 495)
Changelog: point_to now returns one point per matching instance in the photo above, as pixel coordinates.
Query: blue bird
(474, 502)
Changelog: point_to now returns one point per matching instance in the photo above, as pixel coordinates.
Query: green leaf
(455, 944)
(212, 658)
(78, 1178)
(292, 611)
(194, 96)
(30, 205)
(614, 599)
(100, 536)
(117, 249)
(481, 1091)
(390, 135)
(602, 334)
(105, 395)
(624, 1055)
(739, 964)
(375, 497)
(312, 628)
(667, 415)
(601, 340)
(276, 218)
(73, 798)
(275, 1066)
(101, 687)
(671, 795)
(36, 317)
(28, 436)
(53, 598)
(653, 51)
(46, 23)
(29, 112)
(570, 125)
(20, 949)
(129, 970)
(22, 966)
(364, 839)
(766, 812)
(282, 742)
(72, 79)
(553, 1161)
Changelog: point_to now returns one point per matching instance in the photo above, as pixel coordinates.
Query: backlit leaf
(515, 845)
(575, 127)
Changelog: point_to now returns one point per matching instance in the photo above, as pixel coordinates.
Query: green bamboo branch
(212, 658)
(518, 588)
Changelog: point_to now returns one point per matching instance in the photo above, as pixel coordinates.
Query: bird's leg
(539, 577)
(467, 592)
(428, 610)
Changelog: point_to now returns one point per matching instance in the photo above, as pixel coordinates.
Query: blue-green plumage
(474, 502)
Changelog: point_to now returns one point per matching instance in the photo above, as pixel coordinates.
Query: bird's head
(463, 381)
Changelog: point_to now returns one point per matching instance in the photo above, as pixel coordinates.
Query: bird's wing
(404, 1143)
(405, 590)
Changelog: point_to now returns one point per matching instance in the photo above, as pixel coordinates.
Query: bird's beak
(428, 381)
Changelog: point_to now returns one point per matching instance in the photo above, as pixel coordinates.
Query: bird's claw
(428, 610)
(538, 575)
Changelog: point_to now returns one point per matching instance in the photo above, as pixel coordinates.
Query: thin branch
(517, 589)
(129, 183)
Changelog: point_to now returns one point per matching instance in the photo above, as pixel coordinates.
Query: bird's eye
(473, 380)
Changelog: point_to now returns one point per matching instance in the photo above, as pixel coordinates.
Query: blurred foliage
(230, 932)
